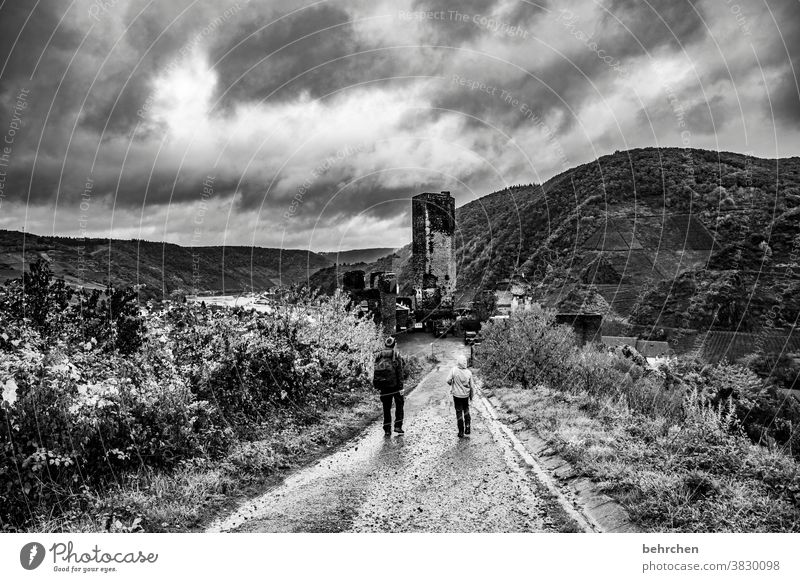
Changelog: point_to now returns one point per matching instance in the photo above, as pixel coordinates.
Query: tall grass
(678, 446)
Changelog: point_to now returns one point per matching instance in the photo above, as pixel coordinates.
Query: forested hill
(162, 268)
(674, 237)
(668, 237)
(357, 255)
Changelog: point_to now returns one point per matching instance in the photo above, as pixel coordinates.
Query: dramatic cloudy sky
(301, 124)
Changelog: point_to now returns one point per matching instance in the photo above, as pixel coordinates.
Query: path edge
(577, 494)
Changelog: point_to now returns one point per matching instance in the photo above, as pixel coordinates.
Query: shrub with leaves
(37, 299)
(767, 415)
(299, 358)
(83, 405)
(74, 421)
(111, 318)
(57, 313)
(527, 348)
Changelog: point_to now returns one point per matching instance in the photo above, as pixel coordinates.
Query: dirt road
(427, 480)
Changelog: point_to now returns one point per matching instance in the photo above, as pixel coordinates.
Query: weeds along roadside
(189, 497)
(688, 447)
(118, 419)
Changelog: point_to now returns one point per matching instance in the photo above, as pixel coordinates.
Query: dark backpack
(385, 376)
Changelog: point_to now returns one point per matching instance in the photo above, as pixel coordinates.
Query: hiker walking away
(461, 387)
(388, 379)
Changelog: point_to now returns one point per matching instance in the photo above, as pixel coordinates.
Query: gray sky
(311, 124)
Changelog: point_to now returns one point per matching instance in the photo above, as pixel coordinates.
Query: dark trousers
(386, 400)
(462, 414)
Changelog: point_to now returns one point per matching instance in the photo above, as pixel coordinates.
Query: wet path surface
(427, 480)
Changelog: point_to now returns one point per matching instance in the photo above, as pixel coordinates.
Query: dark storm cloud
(157, 36)
(329, 201)
(316, 51)
(258, 55)
(786, 98)
(185, 186)
(708, 117)
(121, 83)
(91, 112)
(785, 93)
(700, 117)
(36, 52)
(468, 19)
(508, 98)
(770, 35)
(651, 25)
(562, 86)
(77, 102)
(21, 48)
(443, 20)
(343, 194)
(60, 79)
(779, 22)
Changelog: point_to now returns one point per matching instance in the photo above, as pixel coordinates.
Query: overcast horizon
(274, 124)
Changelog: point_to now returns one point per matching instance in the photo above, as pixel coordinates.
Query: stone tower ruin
(379, 300)
(433, 257)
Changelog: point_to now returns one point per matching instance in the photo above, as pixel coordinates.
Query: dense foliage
(717, 239)
(529, 348)
(750, 207)
(93, 388)
(690, 447)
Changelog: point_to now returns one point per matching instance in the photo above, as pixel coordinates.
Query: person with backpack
(388, 379)
(461, 388)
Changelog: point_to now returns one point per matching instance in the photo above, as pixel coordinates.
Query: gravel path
(427, 480)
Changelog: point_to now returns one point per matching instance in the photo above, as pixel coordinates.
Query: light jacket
(460, 379)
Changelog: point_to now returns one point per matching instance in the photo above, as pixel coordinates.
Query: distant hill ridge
(682, 238)
(678, 238)
(163, 268)
(672, 237)
(358, 255)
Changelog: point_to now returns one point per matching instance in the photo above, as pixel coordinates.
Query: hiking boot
(467, 431)
(399, 430)
(461, 435)
(387, 433)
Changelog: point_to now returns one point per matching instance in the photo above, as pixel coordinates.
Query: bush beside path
(686, 448)
(117, 416)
